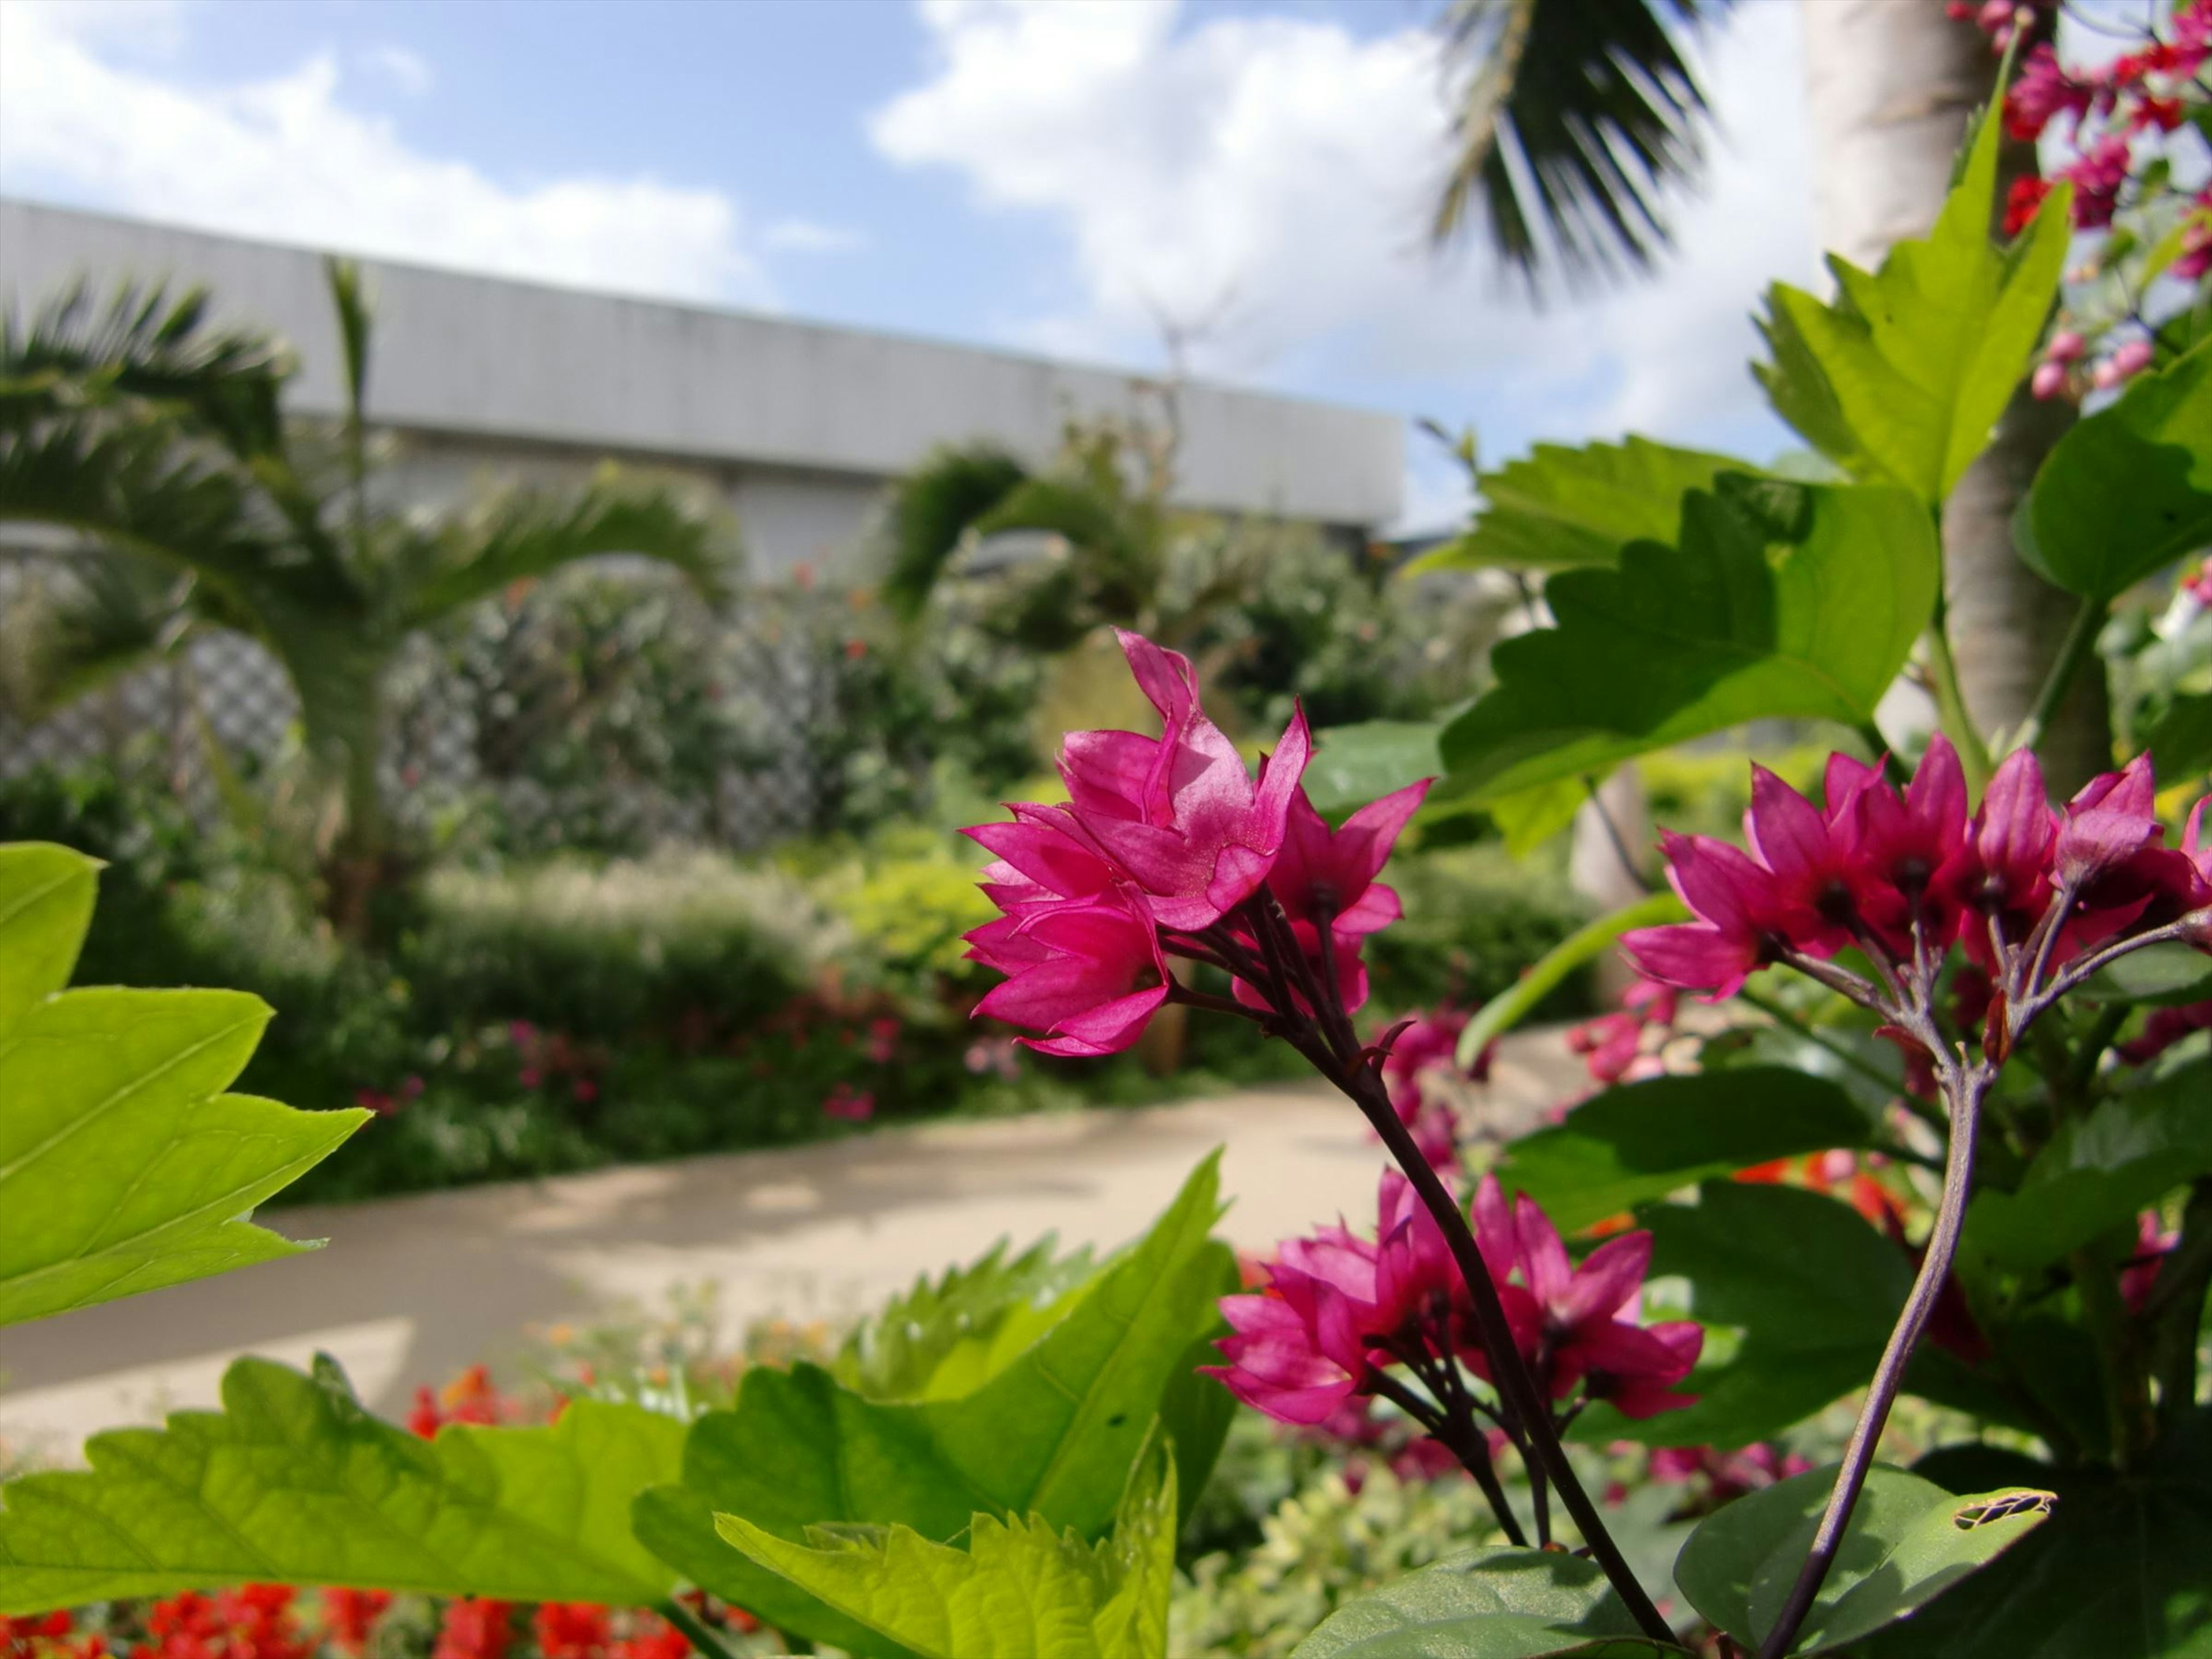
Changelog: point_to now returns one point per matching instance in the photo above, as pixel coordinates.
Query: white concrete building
(798, 426)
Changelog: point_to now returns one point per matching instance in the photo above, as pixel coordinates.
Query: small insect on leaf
(2003, 1509)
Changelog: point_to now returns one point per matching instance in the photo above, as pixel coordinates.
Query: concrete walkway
(410, 1290)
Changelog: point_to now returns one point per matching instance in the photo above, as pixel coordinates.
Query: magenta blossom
(1903, 843)
(1333, 871)
(1088, 974)
(2001, 877)
(1180, 813)
(1564, 1317)
(1417, 1072)
(1337, 1308)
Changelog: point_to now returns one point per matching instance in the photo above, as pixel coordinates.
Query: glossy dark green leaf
(292, 1482)
(1797, 1294)
(2096, 1173)
(2128, 490)
(1558, 506)
(1907, 1542)
(1492, 1604)
(1639, 1142)
(1053, 1434)
(1773, 601)
(2117, 1573)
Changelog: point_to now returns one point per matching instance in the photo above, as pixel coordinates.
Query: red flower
(2022, 202)
(472, 1629)
(349, 1616)
(571, 1630)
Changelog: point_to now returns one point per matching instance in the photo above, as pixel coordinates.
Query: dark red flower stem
(1453, 1425)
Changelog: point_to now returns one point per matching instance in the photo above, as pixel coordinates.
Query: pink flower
(1422, 1057)
(1089, 975)
(2066, 347)
(2123, 365)
(2000, 876)
(1180, 813)
(2152, 1244)
(2048, 381)
(1044, 855)
(1609, 1045)
(1323, 870)
(1740, 926)
(2042, 92)
(2096, 176)
(1336, 1306)
(1564, 1316)
(848, 1104)
(1904, 842)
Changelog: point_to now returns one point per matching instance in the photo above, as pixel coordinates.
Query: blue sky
(1050, 178)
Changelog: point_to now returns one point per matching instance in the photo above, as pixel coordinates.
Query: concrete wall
(799, 424)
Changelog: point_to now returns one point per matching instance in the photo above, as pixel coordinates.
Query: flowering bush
(1944, 1135)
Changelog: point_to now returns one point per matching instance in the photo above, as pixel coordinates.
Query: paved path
(409, 1290)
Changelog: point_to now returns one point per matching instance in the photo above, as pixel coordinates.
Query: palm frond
(143, 345)
(520, 534)
(85, 624)
(1575, 115)
(933, 507)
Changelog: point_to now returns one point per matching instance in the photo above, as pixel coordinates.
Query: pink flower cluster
(1616, 1048)
(1904, 877)
(1161, 849)
(1338, 1311)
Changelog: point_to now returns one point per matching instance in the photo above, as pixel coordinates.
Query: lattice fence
(616, 712)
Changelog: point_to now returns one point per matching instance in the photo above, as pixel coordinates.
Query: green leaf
(1901, 380)
(2117, 1573)
(1585, 945)
(1492, 1604)
(1908, 1541)
(294, 1482)
(1643, 1140)
(1529, 818)
(1797, 1294)
(2181, 742)
(2129, 489)
(46, 905)
(1019, 1590)
(943, 1331)
(1354, 764)
(1562, 506)
(1777, 599)
(2158, 973)
(1053, 1434)
(123, 1168)
(2095, 1174)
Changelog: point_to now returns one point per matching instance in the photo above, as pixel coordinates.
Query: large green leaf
(1354, 764)
(1908, 1540)
(1052, 1434)
(1022, 1589)
(2128, 490)
(924, 1342)
(1643, 1140)
(1900, 379)
(294, 1482)
(1560, 506)
(1775, 599)
(2181, 742)
(123, 1166)
(2117, 1573)
(2096, 1173)
(1797, 1294)
(1492, 1604)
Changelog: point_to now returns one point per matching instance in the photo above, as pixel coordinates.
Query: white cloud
(807, 236)
(404, 69)
(289, 158)
(1274, 174)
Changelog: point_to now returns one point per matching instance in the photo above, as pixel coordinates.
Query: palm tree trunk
(1889, 86)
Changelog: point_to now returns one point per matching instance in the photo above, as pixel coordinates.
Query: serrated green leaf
(1798, 1294)
(1908, 1541)
(2128, 490)
(1052, 1434)
(2096, 1173)
(1561, 506)
(292, 1482)
(1901, 380)
(46, 905)
(123, 1168)
(928, 1339)
(2117, 1573)
(1776, 599)
(1639, 1142)
(1020, 1591)
(1492, 1604)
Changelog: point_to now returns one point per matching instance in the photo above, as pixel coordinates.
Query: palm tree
(1575, 113)
(158, 441)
